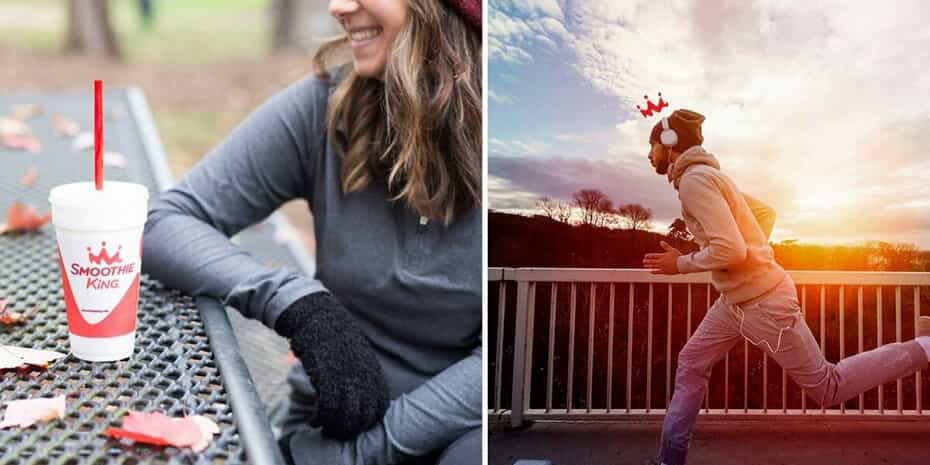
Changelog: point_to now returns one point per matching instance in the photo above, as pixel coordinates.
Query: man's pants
(774, 323)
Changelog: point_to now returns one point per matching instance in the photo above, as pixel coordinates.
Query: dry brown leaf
(21, 217)
(10, 126)
(26, 111)
(27, 412)
(65, 127)
(12, 357)
(30, 177)
(7, 316)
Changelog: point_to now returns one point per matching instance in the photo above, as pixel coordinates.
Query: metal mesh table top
(173, 368)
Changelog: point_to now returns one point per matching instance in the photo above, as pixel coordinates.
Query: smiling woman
(370, 31)
(387, 151)
(399, 113)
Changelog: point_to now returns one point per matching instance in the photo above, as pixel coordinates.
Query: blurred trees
(300, 25)
(90, 31)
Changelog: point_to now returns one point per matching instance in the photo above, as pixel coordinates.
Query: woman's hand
(663, 263)
(340, 362)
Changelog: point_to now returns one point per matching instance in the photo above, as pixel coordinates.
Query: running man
(758, 300)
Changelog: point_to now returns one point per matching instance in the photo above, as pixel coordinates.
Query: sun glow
(821, 199)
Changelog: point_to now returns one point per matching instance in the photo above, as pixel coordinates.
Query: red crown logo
(652, 107)
(103, 256)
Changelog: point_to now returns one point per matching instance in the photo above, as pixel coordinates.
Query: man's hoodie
(732, 229)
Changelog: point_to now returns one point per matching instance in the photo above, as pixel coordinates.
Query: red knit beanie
(470, 10)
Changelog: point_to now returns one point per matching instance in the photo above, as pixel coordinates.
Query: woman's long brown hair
(420, 126)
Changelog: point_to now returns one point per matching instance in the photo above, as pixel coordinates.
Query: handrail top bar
(639, 275)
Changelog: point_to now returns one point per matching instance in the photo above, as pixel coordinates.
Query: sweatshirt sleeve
(726, 247)
(267, 160)
(764, 214)
(427, 419)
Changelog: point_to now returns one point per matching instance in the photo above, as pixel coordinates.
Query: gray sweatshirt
(415, 288)
(731, 228)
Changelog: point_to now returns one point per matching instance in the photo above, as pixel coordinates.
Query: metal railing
(616, 359)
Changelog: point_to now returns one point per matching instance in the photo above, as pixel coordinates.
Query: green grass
(184, 31)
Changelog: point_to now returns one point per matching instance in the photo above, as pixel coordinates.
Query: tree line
(596, 209)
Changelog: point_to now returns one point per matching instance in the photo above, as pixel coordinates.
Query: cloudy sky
(819, 108)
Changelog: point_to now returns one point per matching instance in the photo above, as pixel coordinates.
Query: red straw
(98, 134)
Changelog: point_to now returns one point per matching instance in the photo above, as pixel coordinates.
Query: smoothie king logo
(104, 269)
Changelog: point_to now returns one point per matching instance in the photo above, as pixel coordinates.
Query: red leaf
(126, 434)
(155, 428)
(21, 217)
(21, 142)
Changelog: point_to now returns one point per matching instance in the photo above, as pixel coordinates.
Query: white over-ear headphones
(668, 137)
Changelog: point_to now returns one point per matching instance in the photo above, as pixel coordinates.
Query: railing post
(517, 402)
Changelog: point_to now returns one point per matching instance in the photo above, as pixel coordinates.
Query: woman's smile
(360, 37)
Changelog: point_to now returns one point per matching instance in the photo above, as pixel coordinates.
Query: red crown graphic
(103, 256)
(652, 107)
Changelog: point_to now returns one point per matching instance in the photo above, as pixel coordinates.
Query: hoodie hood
(695, 155)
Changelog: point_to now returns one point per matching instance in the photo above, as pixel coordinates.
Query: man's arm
(726, 247)
(427, 419)
(764, 214)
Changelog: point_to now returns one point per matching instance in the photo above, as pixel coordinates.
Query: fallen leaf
(27, 412)
(21, 142)
(22, 217)
(28, 111)
(83, 141)
(65, 127)
(30, 177)
(9, 317)
(115, 159)
(194, 431)
(12, 357)
(10, 126)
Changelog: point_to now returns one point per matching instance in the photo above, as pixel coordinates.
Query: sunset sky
(821, 109)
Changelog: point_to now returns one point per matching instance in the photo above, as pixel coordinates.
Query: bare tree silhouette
(555, 209)
(637, 216)
(592, 203)
(548, 206)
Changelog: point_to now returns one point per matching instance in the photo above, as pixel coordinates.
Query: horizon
(663, 231)
(820, 95)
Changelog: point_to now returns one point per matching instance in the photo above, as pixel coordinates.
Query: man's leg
(714, 337)
(777, 326)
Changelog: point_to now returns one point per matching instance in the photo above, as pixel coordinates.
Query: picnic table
(186, 360)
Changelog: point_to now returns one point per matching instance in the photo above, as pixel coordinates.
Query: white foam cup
(99, 234)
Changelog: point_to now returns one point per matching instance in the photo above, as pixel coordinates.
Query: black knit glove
(340, 362)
